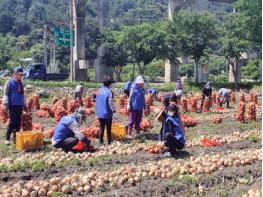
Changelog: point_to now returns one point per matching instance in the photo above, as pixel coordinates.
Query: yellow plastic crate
(117, 132)
(29, 140)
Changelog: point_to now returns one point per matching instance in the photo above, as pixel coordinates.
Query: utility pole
(45, 45)
(72, 73)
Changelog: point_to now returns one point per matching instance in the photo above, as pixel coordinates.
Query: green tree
(192, 33)
(233, 42)
(6, 23)
(186, 70)
(252, 9)
(144, 43)
(251, 70)
(115, 53)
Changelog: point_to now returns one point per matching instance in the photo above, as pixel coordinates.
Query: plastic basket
(29, 140)
(117, 132)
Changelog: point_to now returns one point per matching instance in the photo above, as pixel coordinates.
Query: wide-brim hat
(139, 80)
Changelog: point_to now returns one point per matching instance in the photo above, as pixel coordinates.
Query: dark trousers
(105, 123)
(135, 119)
(222, 101)
(78, 95)
(67, 144)
(15, 116)
(172, 143)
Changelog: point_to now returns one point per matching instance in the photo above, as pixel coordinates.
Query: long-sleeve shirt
(74, 126)
(5, 99)
(207, 92)
(79, 88)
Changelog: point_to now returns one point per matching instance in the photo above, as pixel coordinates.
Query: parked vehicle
(39, 72)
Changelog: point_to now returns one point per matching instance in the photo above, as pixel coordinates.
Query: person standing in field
(136, 105)
(14, 102)
(78, 93)
(179, 85)
(105, 108)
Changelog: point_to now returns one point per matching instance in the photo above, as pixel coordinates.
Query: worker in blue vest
(173, 131)
(127, 87)
(67, 133)
(14, 102)
(136, 105)
(105, 108)
(152, 91)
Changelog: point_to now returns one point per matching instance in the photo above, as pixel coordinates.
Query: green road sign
(62, 36)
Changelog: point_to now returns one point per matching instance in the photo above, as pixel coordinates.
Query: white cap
(139, 79)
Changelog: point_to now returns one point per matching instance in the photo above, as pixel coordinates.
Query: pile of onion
(217, 119)
(26, 122)
(214, 98)
(206, 107)
(3, 115)
(192, 104)
(184, 104)
(145, 124)
(233, 97)
(251, 110)
(91, 132)
(72, 106)
(45, 107)
(242, 97)
(42, 114)
(33, 102)
(188, 121)
(87, 102)
(253, 193)
(240, 114)
(255, 99)
(84, 183)
(122, 100)
(59, 113)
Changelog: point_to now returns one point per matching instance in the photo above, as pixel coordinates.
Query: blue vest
(15, 98)
(102, 103)
(138, 99)
(62, 131)
(152, 91)
(177, 132)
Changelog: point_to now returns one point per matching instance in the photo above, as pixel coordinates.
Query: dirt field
(227, 181)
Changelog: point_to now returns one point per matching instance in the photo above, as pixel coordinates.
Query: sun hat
(139, 79)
